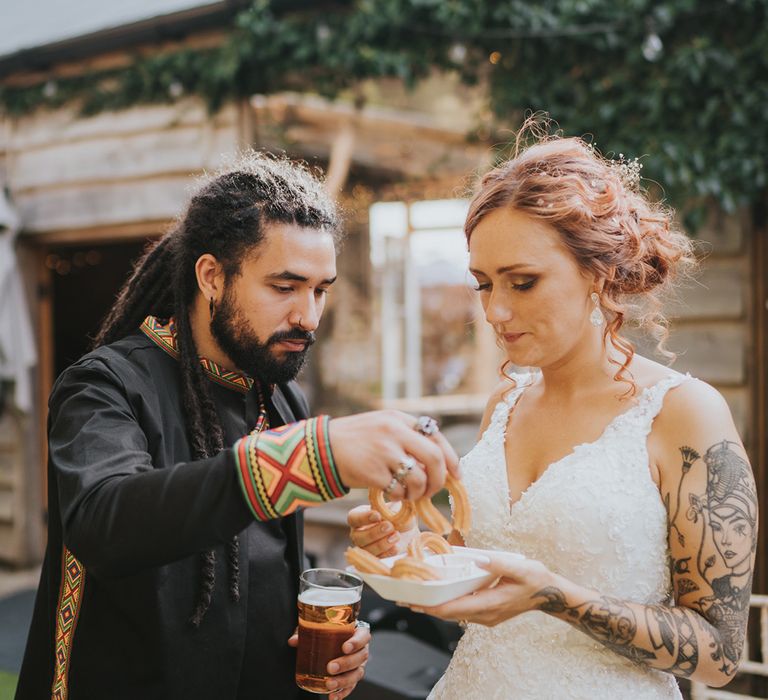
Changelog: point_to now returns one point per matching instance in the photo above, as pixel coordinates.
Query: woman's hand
(513, 594)
(347, 670)
(367, 529)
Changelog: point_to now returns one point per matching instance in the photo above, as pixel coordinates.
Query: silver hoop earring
(596, 318)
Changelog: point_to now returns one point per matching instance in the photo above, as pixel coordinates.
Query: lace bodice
(596, 517)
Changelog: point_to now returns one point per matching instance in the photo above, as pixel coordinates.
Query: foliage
(8, 682)
(681, 83)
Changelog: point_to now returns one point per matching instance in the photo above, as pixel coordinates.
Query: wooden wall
(112, 176)
(67, 173)
(711, 325)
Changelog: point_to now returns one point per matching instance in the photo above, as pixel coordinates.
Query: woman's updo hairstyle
(607, 222)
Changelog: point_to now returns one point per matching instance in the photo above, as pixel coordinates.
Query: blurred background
(108, 111)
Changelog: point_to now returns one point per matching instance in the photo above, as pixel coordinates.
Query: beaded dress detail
(596, 517)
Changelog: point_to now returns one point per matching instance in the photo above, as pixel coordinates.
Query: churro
(365, 562)
(400, 519)
(414, 570)
(462, 513)
(428, 540)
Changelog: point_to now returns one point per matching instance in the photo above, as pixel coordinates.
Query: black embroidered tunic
(129, 513)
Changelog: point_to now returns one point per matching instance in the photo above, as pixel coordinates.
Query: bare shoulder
(694, 419)
(694, 407)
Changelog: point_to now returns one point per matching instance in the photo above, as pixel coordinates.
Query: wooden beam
(45, 369)
(101, 234)
(760, 393)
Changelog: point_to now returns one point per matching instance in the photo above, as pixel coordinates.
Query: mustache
(307, 337)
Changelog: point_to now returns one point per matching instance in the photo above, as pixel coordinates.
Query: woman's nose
(498, 309)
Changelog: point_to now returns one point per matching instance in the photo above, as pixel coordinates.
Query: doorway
(84, 281)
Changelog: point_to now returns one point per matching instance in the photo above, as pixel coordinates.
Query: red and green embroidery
(67, 612)
(283, 469)
(165, 337)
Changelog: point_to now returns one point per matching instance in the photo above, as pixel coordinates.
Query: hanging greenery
(683, 83)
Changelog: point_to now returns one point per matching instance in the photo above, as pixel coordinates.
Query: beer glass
(329, 602)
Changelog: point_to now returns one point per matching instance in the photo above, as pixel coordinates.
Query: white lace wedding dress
(596, 517)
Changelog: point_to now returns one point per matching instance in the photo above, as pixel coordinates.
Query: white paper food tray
(428, 592)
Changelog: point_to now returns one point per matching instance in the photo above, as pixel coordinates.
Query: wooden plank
(44, 128)
(398, 141)
(760, 381)
(127, 156)
(45, 366)
(110, 61)
(719, 291)
(104, 204)
(9, 543)
(739, 401)
(102, 234)
(724, 234)
(713, 352)
(6, 506)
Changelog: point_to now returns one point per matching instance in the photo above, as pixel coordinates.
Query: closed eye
(524, 286)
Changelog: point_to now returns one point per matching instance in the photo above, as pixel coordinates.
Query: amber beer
(329, 602)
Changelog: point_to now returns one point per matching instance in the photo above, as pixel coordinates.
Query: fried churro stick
(435, 520)
(462, 513)
(414, 570)
(428, 540)
(401, 519)
(432, 517)
(365, 562)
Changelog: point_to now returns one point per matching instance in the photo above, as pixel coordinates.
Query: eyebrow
(503, 270)
(293, 277)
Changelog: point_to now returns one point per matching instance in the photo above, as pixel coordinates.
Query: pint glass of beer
(329, 601)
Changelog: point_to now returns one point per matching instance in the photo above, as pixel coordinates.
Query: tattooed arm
(707, 487)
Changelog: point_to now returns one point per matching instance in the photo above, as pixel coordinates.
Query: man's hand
(369, 448)
(347, 670)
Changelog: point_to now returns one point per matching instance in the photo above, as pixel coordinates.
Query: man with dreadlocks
(181, 454)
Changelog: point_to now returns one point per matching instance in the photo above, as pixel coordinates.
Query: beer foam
(329, 596)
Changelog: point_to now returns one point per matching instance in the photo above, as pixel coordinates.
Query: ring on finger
(392, 486)
(426, 425)
(407, 465)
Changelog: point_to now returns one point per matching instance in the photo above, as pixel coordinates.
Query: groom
(181, 453)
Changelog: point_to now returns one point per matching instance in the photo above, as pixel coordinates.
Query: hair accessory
(627, 169)
(596, 318)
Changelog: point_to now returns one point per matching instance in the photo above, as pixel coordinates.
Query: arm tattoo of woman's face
(727, 514)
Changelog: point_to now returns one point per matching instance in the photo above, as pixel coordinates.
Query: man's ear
(210, 276)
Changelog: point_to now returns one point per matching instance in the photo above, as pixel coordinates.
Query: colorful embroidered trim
(67, 612)
(165, 337)
(288, 467)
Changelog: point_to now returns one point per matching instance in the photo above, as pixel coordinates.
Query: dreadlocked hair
(226, 218)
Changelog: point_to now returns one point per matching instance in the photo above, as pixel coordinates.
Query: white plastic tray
(429, 592)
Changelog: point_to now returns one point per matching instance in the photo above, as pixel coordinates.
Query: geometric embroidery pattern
(291, 466)
(165, 336)
(67, 612)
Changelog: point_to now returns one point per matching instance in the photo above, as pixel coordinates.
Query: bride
(622, 483)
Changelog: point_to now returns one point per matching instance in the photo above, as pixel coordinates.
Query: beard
(234, 335)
